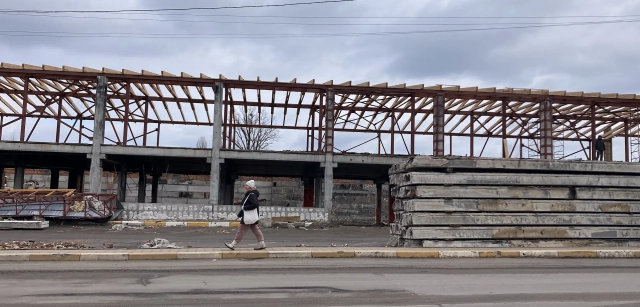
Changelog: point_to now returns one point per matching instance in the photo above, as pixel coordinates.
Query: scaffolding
(533, 142)
(558, 145)
(634, 141)
(532, 149)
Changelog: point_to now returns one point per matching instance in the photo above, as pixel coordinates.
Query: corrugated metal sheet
(54, 207)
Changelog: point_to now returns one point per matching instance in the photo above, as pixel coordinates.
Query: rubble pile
(92, 202)
(291, 225)
(159, 243)
(32, 245)
(77, 206)
(118, 227)
(95, 203)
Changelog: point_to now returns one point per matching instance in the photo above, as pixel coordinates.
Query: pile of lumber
(480, 202)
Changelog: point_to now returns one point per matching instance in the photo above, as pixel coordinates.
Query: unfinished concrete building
(99, 120)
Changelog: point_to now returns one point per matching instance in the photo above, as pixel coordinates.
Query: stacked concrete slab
(479, 202)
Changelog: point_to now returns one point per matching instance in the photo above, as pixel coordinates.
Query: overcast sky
(592, 58)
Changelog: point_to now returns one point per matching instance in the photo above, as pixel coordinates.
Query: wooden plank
(37, 225)
(289, 219)
(480, 192)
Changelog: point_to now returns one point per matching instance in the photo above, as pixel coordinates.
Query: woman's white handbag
(250, 216)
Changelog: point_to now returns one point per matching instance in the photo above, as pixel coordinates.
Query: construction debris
(119, 227)
(56, 203)
(11, 224)
(292, 225)
(13, 245)
(159, 243)
(77, 206)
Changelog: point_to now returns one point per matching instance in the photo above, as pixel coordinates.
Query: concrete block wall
(280, 193)
(185, 212)
(354, 201)
(43, 177)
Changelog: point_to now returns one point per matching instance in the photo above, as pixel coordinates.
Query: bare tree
(12, 137)
(253, 136)
(202, 142)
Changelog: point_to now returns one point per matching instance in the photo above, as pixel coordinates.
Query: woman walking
(250, 216)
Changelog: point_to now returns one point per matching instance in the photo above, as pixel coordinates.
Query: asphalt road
(98, 235)
(316, 282)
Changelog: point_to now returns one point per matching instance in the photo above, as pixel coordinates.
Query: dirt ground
(101, 236)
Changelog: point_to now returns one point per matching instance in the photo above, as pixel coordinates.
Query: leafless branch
(202, 142)
(251, 137)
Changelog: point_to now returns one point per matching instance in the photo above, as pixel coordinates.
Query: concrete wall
(182, 196)
(134, 211)
(355, 203)
(274, 192)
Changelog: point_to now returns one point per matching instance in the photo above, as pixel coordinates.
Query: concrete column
(328, 185)
(546, 130)
(317, 190)
(438, 126)
(608, 151)
(214, 188)
(155, 181)
(309, 185)
(95, 172)
(329, 165)
(608, 146)
(18, 178)
(54, 182)
(142, 185)
(76, 180)
(122, 183)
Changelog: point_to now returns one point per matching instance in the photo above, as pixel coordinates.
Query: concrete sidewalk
(149, 223)
(341, 252)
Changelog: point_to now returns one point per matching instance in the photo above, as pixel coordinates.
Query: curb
(174, 224)
(194, 254)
